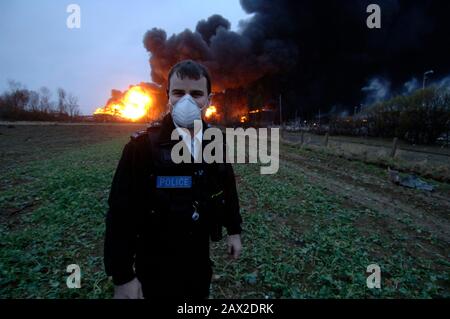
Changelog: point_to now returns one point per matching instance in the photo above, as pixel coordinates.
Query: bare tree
(72, 105)
(45, 103)
(15, 86)
(62, 101)
(33, 101)
(18, 95)
(19, 103)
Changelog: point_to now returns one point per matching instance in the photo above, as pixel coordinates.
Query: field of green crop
(303, 237)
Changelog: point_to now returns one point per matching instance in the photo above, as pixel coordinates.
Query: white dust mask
(186, 111)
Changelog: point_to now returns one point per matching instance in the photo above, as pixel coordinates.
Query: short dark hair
(192, 70)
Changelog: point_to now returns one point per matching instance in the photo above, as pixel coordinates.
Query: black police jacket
(147, 220)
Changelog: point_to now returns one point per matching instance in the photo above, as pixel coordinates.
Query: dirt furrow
(372, 195)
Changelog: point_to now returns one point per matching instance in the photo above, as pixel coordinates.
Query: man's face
(196, 88)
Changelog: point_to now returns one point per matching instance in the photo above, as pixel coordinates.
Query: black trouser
(176, 266)
(192, 282)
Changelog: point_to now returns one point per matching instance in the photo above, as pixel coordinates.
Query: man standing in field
(162, 215)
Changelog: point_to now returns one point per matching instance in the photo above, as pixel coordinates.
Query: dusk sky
(37, 48)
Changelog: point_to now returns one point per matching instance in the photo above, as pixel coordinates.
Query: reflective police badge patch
(173, 181)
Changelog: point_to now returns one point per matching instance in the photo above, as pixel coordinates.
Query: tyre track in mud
(428, 211)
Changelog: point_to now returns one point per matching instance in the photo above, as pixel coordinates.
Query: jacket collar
(167, 126)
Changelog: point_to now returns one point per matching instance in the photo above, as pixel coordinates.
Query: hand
(130, 290)
(234, 245)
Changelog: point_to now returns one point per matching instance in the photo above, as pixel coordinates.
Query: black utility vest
(185, 197)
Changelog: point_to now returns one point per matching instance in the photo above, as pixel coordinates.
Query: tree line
(419, 118)
(19, 103)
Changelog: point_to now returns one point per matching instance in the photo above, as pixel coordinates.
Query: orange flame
(133, 106)
(210, 111)
(259, 110)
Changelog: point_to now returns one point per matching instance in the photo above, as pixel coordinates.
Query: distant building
(262, 117)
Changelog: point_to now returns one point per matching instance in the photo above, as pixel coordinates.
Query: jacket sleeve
(121, 225)
(232, 218)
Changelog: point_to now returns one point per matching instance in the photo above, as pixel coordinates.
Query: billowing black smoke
(234, 60)
(316, 54)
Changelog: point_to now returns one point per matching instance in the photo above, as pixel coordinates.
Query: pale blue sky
(37, 49)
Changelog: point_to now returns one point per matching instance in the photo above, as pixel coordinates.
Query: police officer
(162, 215)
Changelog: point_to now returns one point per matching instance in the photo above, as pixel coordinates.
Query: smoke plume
(316, 54)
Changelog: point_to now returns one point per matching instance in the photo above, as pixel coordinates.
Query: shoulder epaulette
(154, 125)
(151, 127)
(138, 134)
